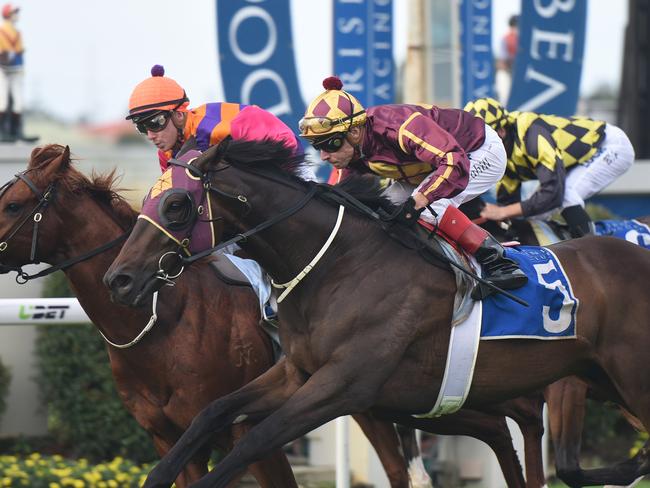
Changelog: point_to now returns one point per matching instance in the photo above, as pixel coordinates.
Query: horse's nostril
(121, 283)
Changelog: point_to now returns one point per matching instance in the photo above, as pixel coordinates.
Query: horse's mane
(100, 187)
(273, 157)
(267, 156)
(369, 189)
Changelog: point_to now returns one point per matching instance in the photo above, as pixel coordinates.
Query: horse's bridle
(36, 214)
(44, 200)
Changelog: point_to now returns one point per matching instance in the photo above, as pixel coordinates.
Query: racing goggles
(153, 123)
(330, 144)
(323, 125)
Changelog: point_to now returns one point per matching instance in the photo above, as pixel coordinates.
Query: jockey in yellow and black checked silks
(541, 147)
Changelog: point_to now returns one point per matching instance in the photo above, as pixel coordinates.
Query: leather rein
(331, 193)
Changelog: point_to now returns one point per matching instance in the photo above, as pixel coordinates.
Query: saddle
(546, 232)
(434, 248)
(228, 272)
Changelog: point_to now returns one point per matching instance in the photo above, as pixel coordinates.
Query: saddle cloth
(552, 306)
(629, 230)
(551, 315)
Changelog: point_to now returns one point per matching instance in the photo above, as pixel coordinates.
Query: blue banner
(549, 60)
(256, 57)
(363, 49)
(477, 65)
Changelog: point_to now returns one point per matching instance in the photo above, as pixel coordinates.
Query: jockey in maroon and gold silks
(417, 143)
(212, 122)
(441, 158)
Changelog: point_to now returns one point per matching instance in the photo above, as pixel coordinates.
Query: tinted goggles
(154, 123)
(330, 144)
(322, 125)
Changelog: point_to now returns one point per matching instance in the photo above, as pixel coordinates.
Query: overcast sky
(84, 57)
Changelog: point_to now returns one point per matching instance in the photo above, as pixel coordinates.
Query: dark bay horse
(566, 397)
(386, 348)
(187, 361)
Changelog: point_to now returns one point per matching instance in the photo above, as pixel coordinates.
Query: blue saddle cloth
(553, 307)
(630, 230)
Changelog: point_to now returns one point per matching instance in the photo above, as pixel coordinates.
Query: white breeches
(613, 158)
(11, 83)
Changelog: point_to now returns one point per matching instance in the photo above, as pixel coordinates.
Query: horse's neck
(288, 246)
(87, 228)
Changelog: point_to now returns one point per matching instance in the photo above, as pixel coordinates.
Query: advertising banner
(549, 59)
(477, 64)
(363, 49)
(256, 56)
(19, 311)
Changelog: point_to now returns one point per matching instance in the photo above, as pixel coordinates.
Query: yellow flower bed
(36, 471)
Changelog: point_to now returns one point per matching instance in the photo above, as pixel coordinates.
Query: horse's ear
(62, 163)
(58, 164)
(50, 159)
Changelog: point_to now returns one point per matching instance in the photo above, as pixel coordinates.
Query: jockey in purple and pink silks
(440, 158)
(159, 100)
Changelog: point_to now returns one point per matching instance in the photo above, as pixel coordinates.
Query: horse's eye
(12, 208)
(175, 206)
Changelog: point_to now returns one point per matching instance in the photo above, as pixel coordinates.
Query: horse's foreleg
(261, 396)
(335, 389)
(193, 471)
(273, 470)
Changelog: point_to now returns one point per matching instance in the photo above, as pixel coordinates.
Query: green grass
(557, 484)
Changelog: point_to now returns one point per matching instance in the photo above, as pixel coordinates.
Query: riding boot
(4, 128)
(499, 270)
(578, 221)
(16, 126)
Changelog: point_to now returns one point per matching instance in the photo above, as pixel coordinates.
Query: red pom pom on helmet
(332, 83)
(157, 70)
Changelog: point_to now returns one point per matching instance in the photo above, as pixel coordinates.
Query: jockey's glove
(407, 214)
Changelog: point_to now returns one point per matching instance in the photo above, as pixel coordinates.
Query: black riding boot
(16, 126)
(578, 221)
(4, 128)
(498, 269)
(16, 129)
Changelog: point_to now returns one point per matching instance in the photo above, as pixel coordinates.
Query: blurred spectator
(505, 59)
(11, 77)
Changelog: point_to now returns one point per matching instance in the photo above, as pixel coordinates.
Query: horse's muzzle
(127, 290)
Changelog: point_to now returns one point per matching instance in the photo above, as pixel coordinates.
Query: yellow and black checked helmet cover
(494, 114)
(334, 110)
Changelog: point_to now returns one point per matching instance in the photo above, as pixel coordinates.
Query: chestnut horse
(183, 363)
(367, 322)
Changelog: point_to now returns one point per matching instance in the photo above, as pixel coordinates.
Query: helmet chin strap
(180, 137)
(358, 153)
